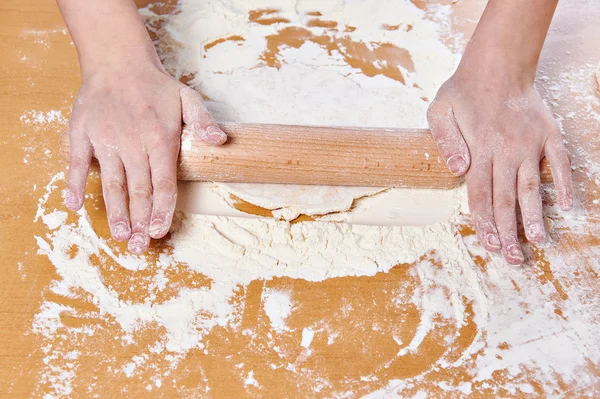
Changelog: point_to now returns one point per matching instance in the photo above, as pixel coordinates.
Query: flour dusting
(366, 63)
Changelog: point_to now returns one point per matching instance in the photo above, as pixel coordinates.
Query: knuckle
(164, 143)
(157, 132)
(162, 131)
(140, 192)
(172, 131)
(530, 184)
(166, 185)
(504, 202)
(114, 186)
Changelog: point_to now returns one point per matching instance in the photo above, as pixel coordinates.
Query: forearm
(509, 37)
(108, 34)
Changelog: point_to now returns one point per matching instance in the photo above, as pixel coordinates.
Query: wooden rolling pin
(335, 156)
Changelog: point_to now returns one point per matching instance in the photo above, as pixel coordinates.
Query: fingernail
(514, 253)
(72, 201)
(493, 241)
(457, 164)
(156, 227)
(138, 243)
(215, 135)
(120, 231)
(535, 233)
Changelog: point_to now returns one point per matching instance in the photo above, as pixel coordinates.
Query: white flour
(277, 306)
(311, 87)
(315, 87)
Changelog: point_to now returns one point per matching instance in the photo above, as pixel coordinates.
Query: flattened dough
(289, 201)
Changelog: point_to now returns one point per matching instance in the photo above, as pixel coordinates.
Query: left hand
(495, 129)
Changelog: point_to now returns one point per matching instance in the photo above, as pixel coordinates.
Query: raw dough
(356, 205)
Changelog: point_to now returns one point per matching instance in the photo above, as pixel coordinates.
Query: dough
(356, 205)
(290, 201)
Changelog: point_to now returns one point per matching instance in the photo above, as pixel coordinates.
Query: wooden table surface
(39, 73)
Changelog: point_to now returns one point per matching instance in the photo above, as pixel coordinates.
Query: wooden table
(39, 73)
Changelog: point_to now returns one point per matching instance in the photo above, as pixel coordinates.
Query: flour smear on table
(516, 330)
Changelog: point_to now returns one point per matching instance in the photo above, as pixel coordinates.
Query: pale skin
(488, 120)
(128, 114)
(491, 126)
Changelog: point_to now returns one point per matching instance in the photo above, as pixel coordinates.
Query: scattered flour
(34, 117)
(315, 83)
(37, 120)
(307, 336)
(277, 306)
(250, 380)
(312, 84)
(234, 252)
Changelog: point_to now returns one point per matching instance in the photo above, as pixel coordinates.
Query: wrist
(507, 42)
(128, 60)
(496, 65)
(109, 36)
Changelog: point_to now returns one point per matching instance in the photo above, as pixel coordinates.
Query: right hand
(132, 124)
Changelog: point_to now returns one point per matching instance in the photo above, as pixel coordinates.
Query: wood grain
(336, 156)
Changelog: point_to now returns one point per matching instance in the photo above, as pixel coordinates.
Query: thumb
(448, 138)
(198, 119)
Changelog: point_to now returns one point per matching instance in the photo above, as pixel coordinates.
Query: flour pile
(315, 75)
(303, 62)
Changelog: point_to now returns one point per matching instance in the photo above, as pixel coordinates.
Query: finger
(163, 167)
(504, 197)
(197, 117)
(79, 165)
(530, 200)
(561, 170)
(140, 202)
(115, 195)
(479, 188)
(448, 137)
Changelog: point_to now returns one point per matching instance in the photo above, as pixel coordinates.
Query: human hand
(495, 129)
(131, 122)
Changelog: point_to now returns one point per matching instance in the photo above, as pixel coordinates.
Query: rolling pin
(334, 156)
